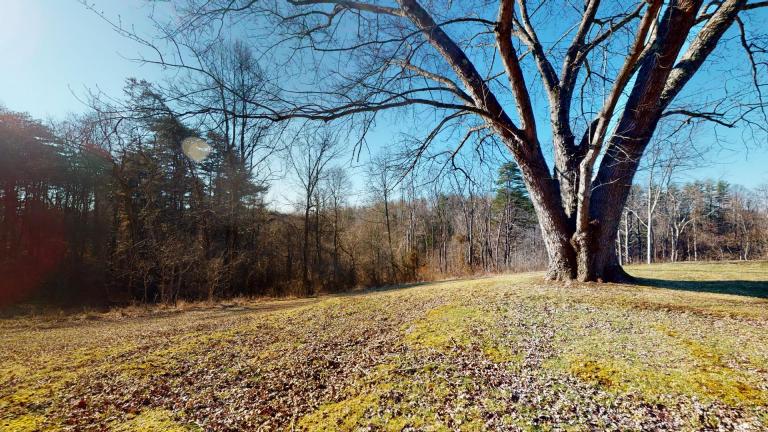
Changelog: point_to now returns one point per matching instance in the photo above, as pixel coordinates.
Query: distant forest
(94, 211)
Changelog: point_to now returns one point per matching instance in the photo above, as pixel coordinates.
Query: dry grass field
(685, 350)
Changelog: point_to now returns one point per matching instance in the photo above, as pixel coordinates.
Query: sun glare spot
(195, 148)
(19, 31)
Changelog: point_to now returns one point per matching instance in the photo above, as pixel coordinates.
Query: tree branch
(512, 67)
(710, 116)
(484, 99)
(700, 48)
(365, 7)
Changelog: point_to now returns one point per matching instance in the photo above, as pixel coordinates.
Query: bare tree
(383, 177)
(366, 57)
(337, 186)
(682, 211)
(659, 175)
(679, 215)
(309, 159)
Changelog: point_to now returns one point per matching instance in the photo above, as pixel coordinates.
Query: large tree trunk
(556, 227)
(652, 92)
(594, 259)
(583, 248)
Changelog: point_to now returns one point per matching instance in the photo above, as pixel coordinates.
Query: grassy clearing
(687, 350)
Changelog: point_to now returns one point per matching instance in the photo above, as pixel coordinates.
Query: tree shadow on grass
(757, 289)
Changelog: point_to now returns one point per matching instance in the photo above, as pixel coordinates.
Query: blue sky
(54, 48)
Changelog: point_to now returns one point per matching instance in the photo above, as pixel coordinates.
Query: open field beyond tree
(688, 350)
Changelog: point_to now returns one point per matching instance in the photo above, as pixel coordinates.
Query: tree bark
(649, 240)
(390, 250)
(305, 255)
(626, 236)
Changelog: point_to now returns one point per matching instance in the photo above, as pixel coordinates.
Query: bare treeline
(94, 212)
(574, 91)
(700, 220)
(91, 212)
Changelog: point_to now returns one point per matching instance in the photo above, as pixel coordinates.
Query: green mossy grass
(153, 420)
(24, 423)
(690, 335)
